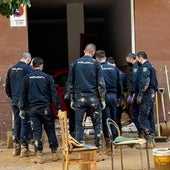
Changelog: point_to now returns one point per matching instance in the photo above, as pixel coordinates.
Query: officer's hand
(59, 110)
(103, 104)
(22, 114)
(72, 105)
(139, 98)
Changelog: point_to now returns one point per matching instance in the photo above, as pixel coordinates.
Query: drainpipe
(132, 26)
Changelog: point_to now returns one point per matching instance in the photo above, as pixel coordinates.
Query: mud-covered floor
(131, 157)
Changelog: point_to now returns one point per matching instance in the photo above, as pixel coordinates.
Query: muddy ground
(131, 158)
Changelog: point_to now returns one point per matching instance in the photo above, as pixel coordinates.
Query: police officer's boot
(55, 155)
(16, 150)
(108, 146)
(149, 144)
(141, 134)
(100, 154)
(39, 157)
(24, 151)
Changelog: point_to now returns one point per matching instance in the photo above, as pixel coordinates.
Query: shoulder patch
(145, 69)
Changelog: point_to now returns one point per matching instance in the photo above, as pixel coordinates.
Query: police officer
(133, 90)
(121, 106)
(86, 87)
(114, 91)
(148, 85)
(38, 90)
(22, 129)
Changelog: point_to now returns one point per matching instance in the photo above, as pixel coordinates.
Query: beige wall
(13, 41)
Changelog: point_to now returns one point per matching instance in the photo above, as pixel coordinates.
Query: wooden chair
(121, 140)
(81, 155)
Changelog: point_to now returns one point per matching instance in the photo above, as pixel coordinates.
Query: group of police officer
(32, 92)
(95, 86)
(114, 97)
(143, 86)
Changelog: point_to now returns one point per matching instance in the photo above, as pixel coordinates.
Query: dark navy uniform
(67, 101)
(134, 78)
(122, 105)
(22, 128)
(134, 89)
(148, 85)
(86, 84)
(124, 81)
(39, 92)
(114, 91)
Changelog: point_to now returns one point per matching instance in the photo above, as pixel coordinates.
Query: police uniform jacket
(124, 81)
(14, 79)
(112, 78)
(39, 90)
(134, 78)
(148, 81)
(85, 76)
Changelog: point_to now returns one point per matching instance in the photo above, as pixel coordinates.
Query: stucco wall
(13, 41)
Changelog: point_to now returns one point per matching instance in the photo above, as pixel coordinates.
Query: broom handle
(157, 113)
(163, 107)
(167, 81)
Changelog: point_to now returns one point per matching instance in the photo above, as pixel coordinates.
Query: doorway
(108, 27)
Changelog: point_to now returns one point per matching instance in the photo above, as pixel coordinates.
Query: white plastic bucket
(161, 158)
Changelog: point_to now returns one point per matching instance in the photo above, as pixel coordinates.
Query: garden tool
(165, 130)
(167, 81)
(168, 87)
(158, 138)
